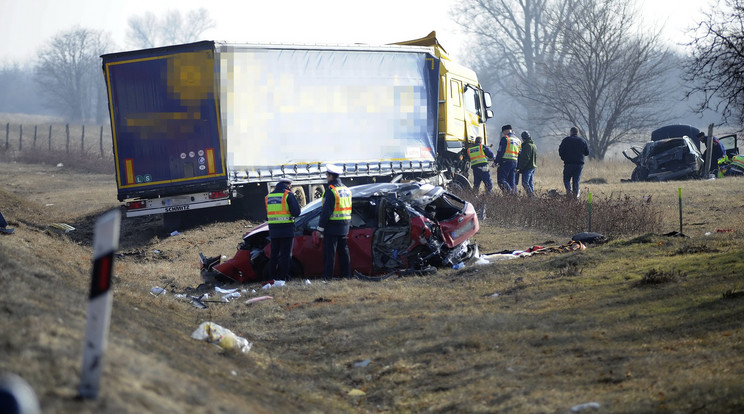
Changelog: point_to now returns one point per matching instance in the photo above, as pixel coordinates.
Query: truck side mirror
(489, 114)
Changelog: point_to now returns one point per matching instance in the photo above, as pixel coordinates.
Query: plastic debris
(224, 291)
(222, 337)
(60, 165)
(361, 364)
(458, 266)
(357, 393)
(157, 291)
(258, 299)
(481, 261)
(307, 281)
(62, 226)
(175, 233)
(580, 407)
(233, 295)
(273, 283)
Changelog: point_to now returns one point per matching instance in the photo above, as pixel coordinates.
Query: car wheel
(639, 174)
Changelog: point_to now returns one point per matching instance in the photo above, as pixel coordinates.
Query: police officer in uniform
(281, 209)
(479, 156)
(334, 223)
(506, 159)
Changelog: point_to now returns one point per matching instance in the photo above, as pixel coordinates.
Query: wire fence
(83, 140)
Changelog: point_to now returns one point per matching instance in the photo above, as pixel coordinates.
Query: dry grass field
(643, 323)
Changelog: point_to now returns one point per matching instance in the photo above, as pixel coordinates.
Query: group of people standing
(517, 157)
(333, 227)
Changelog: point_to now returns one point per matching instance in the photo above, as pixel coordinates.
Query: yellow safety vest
(277, 209)
(738, 161)
(513, 145)
(477, 156)
(342, 209)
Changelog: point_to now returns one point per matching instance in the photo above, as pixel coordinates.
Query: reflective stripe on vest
(477, 156)
(342, 209)
(277, 209)
(513, 145)
(738, 161)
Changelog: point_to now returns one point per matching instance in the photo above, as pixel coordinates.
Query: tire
(316, 192)
(299, 193)
(639, 174)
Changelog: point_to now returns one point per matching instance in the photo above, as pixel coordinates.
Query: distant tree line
(66, 78)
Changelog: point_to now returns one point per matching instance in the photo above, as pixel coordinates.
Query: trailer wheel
(299, 193)
(316, 192)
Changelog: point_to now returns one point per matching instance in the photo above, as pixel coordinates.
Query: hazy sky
(25, 25)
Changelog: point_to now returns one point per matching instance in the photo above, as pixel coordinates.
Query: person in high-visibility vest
(281, 209)
(506, 159)
(334, 224)
(572, 151)
(479, 157)
(737, 166)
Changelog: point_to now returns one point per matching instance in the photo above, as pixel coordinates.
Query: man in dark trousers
(334, 223)
(479, 156)
(719, 151)
(506, 159)
(281, 209)
(527, 162)
(572, 151)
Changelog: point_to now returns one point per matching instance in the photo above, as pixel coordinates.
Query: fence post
(36, 128)
(7, 135)
(20, 138)
(82, 141)
(100, 140)
(67, 132)
(50, 137)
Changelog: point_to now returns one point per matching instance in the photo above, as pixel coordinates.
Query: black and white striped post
(105, 243)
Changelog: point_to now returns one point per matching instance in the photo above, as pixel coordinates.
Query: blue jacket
(278, 230)
(573, 149)
(332, 227)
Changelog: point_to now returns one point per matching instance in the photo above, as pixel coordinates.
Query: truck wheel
(299, 193)
(316, 192)
(459, 184)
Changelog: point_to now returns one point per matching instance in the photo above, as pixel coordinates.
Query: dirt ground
(313, 343)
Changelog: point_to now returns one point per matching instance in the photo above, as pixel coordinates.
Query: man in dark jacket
(281, 209)
(527, 162)
(572, 151)
(719, 151)
(334, 224)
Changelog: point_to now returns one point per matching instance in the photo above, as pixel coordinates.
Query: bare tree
(69, 75)
(610, 82)
(514, 39)
(147, 30)
(716, 70)
(582, 62)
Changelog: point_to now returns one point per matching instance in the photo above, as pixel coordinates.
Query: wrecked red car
(395, 227)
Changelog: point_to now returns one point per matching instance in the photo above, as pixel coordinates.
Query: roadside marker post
(679, 190)
(105, 243)
(590, 212)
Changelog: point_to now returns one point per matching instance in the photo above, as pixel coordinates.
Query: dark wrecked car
(675, 158)
(395, 227)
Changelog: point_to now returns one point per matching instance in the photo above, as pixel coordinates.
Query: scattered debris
(157, 291)
(361, 364)
(580, 407)
(357, 393)
(62, 226)
(258, 299)
(222, 337)
(175, 233)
